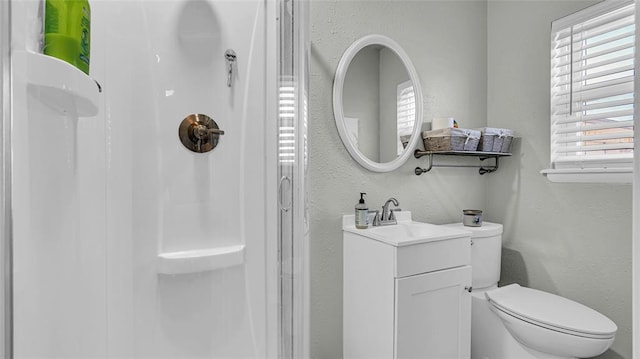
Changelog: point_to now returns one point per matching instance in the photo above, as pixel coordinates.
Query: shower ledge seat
(57, 84)
(200, 260)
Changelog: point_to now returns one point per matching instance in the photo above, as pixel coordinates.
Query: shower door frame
(635, 259)
(6, 320)
(290, 181)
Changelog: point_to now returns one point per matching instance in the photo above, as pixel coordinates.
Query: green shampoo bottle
(67, 31)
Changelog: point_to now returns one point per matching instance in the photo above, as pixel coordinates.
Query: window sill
(590, 175)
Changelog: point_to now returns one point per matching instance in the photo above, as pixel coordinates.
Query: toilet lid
(551, 311)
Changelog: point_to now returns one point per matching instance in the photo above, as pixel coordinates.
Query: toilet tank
(486, 252)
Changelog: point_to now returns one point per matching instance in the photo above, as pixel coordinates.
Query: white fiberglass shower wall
(125, 242)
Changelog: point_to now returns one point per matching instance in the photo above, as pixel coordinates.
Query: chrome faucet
(387, 216)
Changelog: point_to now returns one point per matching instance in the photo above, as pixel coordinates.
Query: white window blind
(286, 128)
(406, 112)
(592, 74)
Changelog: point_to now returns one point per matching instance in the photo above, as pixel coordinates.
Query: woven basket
(487, 138)
(451, 139)
(495, 140)
(486, 143)
(507, 137)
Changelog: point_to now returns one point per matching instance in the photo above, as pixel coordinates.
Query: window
(286, 128)
(592, 95)
(406, 113)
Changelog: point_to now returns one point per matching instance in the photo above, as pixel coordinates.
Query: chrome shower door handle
(284, 194)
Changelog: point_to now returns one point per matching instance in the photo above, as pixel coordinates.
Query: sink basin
(407, 231)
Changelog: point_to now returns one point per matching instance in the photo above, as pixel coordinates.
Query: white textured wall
(569, 239)
(447, 44)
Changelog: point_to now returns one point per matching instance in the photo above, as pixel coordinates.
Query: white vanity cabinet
(406, 291)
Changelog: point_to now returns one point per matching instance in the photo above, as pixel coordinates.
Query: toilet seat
(551, 312)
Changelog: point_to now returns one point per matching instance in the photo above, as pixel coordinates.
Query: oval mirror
(377, 103)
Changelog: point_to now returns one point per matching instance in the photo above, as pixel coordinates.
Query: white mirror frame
(338, 110)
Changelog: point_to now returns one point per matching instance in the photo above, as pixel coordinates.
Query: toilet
(515, 322)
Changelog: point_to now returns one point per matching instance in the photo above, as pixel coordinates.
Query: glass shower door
(76, 276)
(293, 184)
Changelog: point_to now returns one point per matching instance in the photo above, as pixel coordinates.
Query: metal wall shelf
(482, 156)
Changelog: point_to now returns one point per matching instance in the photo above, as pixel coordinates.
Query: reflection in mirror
(379, 103)
(375, 103)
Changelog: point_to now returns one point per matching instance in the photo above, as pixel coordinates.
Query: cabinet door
(433, 315)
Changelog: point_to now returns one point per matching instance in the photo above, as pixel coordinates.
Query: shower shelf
(201, 260)
(57, 84)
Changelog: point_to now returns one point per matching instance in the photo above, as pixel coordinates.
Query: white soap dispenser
(362, 213)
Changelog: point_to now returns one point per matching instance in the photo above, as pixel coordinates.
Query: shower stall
(157, 207)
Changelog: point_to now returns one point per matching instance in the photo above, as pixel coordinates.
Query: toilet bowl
(551, 324)
(515, 322)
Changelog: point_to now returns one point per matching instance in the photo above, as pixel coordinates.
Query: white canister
(472, 217)
(442, 122)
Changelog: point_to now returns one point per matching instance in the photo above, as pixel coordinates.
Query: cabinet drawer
(431, 256)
